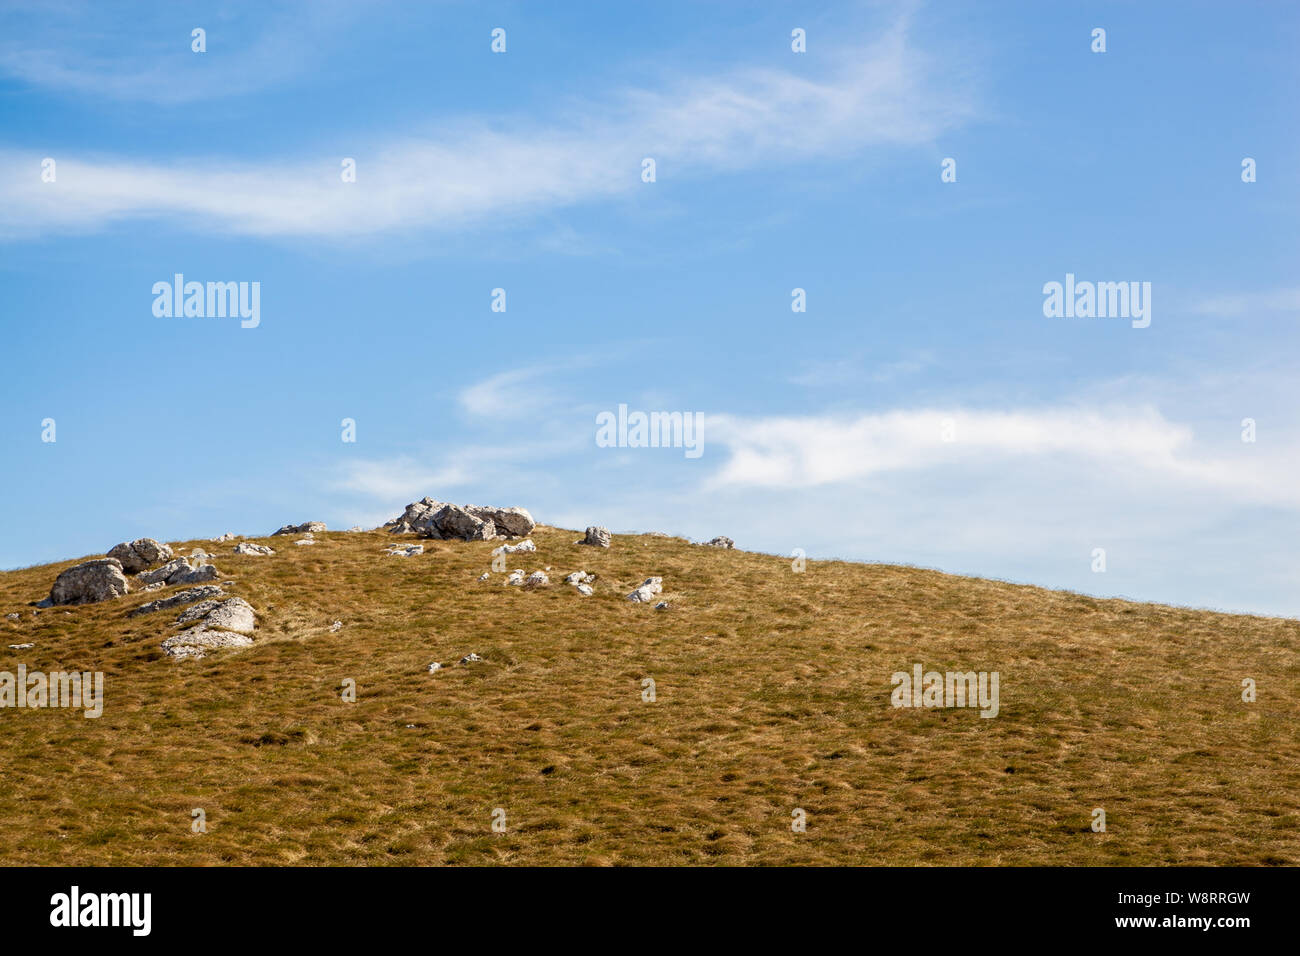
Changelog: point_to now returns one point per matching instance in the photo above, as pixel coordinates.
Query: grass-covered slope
(773, 693)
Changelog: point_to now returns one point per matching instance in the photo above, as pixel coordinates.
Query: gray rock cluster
(431, 518)
(405, 550)
(253, 548)
(721, 541)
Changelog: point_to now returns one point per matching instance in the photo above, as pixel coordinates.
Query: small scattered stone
(21, 647)
(435, 666)
(585, 590)
(516, 577)
(538, 578)
(14, 616)
(646, 592)
(522, 546)
(484, 576)
(470, 658)
(661, 606)
(336, 626)
(228, 536)
(405, 550)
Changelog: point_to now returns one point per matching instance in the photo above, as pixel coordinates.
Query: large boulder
(721, 541)
(139, 554)
(514, 522)
(415, 511)
(310, 527)
(90, 582)
(599, 537)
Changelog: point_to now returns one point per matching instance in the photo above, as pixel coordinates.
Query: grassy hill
(773, 693)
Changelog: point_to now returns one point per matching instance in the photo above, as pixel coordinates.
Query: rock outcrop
(721, 541)
(422, 517)
(90, 582)
(597, 536)
(221, 623)
(310, 527)
(135, 556)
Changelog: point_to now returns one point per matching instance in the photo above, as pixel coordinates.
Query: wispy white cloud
(884, 95)
(510, 394)
(807, 451)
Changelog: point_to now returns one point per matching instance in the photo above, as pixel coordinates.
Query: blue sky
(775, 170)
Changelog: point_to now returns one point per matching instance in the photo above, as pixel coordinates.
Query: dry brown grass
(773, 693)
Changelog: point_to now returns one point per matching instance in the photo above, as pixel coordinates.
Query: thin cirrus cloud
(101, 51)
(810, 451)
(886, 95)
